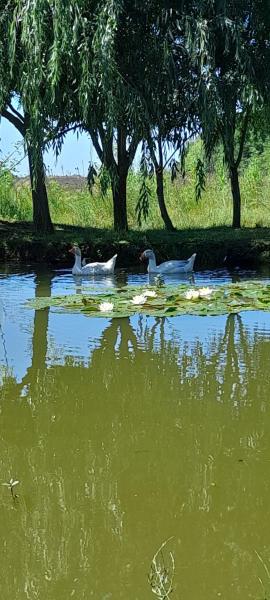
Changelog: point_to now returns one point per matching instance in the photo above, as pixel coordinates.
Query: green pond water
(124, 433)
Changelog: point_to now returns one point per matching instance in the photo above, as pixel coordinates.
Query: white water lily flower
(141, 299)
(192, 295)
(150, 293)
(205, 292)
(106, 306)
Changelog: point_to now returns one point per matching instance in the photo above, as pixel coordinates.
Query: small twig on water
(161, 576)
(266, 569)
(11, 485)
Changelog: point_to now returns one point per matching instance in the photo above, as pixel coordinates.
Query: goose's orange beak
(72, 250)
(142, 257)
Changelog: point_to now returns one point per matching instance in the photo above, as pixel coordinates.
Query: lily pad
(163, 301)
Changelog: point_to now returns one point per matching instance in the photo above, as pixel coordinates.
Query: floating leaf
(165, 300)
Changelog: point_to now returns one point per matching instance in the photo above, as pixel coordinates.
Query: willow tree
(111, 118)
(48, 45)
(15, 61)
(153, 86)
(154, 79)
(86, 83)
(84, 62)
(88, 92)
(41, 213)
(168, 93)
(134, 94)
(229, 42)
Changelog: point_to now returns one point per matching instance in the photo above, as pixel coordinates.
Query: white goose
(95, 268)
(170, 266)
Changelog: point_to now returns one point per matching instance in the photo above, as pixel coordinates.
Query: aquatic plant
(161, 575)
(139, 299)
(150, 294)
(106, 306)
(265, 579)
(11, 485)
(163, 301)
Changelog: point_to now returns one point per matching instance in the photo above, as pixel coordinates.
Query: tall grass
(78, 207)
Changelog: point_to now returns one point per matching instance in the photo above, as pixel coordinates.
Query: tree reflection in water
(156, 436)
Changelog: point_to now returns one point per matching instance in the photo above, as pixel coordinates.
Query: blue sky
(76, 153)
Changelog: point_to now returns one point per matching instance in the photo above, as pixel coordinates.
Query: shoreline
(215, 247)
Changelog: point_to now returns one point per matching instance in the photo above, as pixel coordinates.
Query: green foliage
(142, 206)
(78, 207)
(131, 71)
(160, 301)
(229, 44)
(200, 179)
(6, 192)
(146, 173)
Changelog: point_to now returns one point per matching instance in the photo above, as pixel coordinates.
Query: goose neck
(77, 269)
(152, 265)
(152, 260)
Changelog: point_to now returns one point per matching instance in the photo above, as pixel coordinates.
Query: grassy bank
(203, 227)
(213, 245)
(73, 205)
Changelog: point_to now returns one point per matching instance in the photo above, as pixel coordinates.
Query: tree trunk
(41, 213)
(103, 141)
(236, 196)
(119, 190)
(161, 200)
(120, 184)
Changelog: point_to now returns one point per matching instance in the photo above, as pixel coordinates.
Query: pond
(125, 433)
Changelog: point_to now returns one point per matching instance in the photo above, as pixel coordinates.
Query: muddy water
(124, 433)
